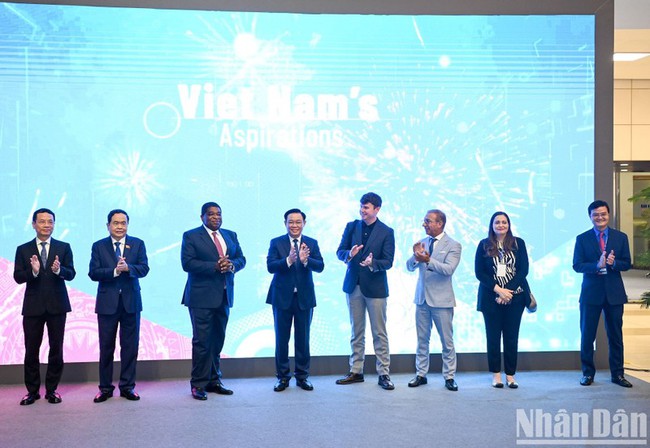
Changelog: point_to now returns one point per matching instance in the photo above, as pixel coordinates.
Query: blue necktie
(118, 252)
(433, 240)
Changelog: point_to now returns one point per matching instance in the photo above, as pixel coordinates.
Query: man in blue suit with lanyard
(600, 254)
(291, 259)
(211, 256)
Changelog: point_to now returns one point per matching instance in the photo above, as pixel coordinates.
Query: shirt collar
(597, 232)
(122, 241)
(47, 242)
(292, 238)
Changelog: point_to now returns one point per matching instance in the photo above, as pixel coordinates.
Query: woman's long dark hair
(491, 245)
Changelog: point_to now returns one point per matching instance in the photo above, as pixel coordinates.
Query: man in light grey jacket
(436, 258)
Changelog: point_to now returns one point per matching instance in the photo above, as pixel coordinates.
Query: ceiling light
(629, 57)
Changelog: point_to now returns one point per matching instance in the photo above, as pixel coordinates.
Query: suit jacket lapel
(357, 238)
(285, 246)
(442, 244)
(207, 239)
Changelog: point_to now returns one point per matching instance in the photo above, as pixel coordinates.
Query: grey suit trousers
(376, 307)
(425, 317)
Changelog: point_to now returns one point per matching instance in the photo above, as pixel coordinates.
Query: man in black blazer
(210, 255)
(291, 259)
(117, 263)
(600, 254)
(368, 248)
(44, 264)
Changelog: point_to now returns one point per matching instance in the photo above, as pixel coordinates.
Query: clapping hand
(367, 262)
(420, 253)
(36, 264)
(304, 253)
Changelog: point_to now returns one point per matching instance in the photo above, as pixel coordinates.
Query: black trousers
(504, 322)
(129, 325)
(33, 328)
(301, 320)
(589, 318)
(208, 336)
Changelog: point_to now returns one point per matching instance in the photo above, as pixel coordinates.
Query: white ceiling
(632, 35)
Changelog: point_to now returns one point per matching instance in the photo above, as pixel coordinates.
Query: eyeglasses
(428, 221)
(599, 215)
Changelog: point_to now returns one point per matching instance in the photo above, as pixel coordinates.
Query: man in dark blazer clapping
(211, 256)
(367, 248)
(600, 254)
(291, 259)
(44, 264)
(117, 263)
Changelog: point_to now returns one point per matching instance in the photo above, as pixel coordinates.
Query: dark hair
(372, 198)
(597, 204)
(294, 210)
(43, 210)
(440, 215)
(491, 244)
(207, 205)
(115, 212)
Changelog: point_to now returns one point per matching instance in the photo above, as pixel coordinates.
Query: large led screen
(159, 111)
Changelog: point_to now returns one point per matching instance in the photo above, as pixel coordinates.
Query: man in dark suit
(117, 263)
(44, 264)
(210, 255)
(600, 254)
(368, 248)
(291, 260)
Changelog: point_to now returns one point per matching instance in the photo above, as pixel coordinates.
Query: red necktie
(601, 240)
(218, 244)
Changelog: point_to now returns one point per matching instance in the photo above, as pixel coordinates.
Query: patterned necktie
(43, 253)
(218, 244)
(118, 252)
(295, 247)
(601, 241)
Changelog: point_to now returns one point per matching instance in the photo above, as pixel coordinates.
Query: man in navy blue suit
(117, 263)
(44, 264)
(367, 248)
(291, 259)
(211, 256)
(600, 254)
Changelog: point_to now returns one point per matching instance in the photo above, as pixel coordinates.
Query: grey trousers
(358, 304)
(425, 317)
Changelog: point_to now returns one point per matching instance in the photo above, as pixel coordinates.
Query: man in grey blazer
(436, 257)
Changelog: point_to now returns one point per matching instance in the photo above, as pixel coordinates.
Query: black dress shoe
(219, 388)
(385, 382)
(586, 380)
(351, 378)
(451, 384)
(53, 397)
(418, 381)
(129, 394)
(103, 396)
(621, 381)
(30, 398)
(281, 385)
(198, 393)
(304, 384)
